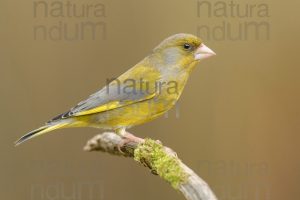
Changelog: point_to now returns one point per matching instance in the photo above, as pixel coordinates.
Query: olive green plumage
(143, 93)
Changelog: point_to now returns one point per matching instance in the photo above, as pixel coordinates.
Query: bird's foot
(128, 138)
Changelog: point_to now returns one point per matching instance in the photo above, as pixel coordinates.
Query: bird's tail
(44, 129)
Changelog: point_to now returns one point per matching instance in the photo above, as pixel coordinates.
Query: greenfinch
(143, 93)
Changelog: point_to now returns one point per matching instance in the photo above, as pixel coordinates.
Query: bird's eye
(187, 46)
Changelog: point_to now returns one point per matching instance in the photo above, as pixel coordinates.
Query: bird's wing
(120, 92)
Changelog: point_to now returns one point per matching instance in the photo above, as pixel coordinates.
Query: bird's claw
(126, 139)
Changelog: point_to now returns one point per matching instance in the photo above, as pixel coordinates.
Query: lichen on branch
(153, 155)
(161, 160)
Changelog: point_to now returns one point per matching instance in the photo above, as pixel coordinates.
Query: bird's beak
(203, 52)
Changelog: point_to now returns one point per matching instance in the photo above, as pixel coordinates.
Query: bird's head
(182, 50)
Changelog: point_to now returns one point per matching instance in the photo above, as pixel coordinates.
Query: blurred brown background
(238, 124)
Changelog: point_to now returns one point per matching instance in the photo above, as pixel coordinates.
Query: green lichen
(152, 154)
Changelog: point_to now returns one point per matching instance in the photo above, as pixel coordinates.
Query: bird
(143, 93)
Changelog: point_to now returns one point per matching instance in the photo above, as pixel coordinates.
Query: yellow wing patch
(112, 105)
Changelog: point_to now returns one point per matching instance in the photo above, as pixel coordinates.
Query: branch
(161, 160)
